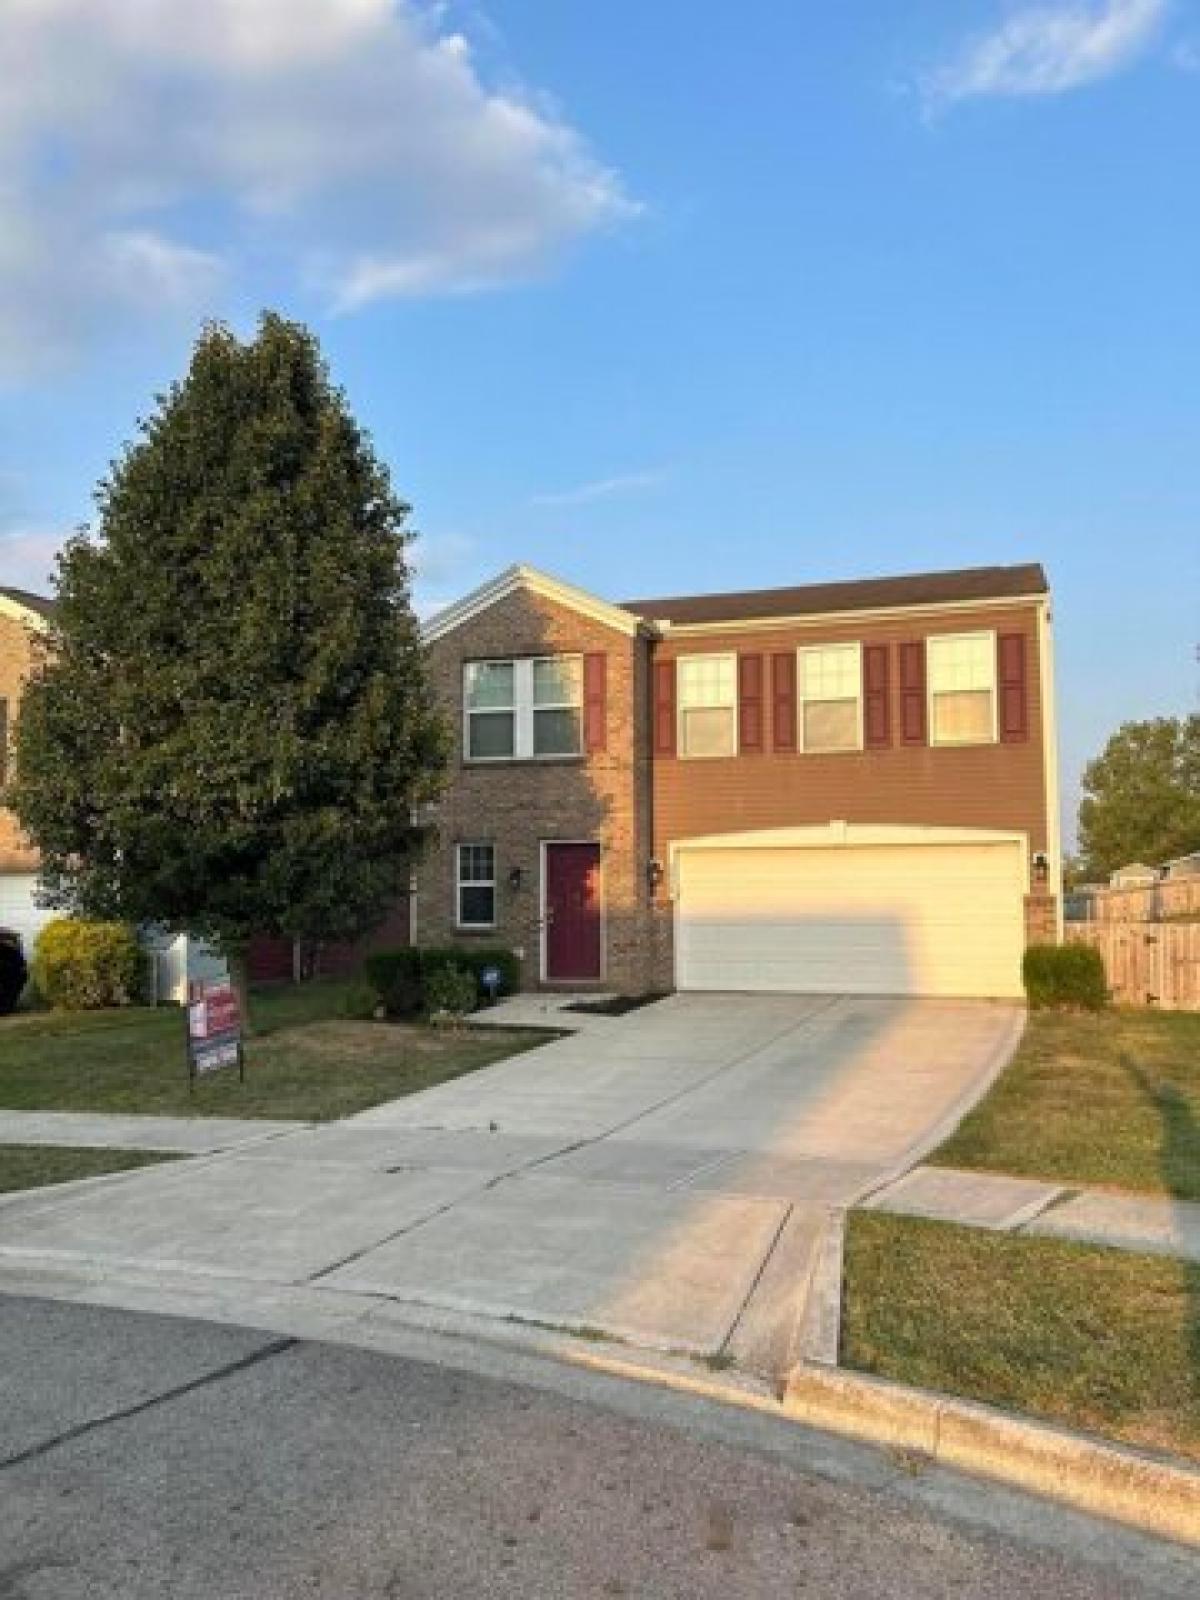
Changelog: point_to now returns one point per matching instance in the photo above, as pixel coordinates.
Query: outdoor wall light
(1041, 869)
(515, 878)
(654, 873)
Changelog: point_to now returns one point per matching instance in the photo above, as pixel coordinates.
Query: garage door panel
(941, 919)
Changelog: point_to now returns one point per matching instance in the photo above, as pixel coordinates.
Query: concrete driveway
(663, 1180)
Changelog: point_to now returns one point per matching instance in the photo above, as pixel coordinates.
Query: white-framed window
(961, 669)
(558, 706)
(829, 697)
(706, 689)
(475, 886)
(525, 709)
(490, 701)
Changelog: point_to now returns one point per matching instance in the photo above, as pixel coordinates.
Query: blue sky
(654, 296)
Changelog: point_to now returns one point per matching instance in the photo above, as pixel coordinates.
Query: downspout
(1050, 757)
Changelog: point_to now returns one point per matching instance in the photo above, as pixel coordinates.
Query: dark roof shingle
(864, 594)
(32, 602)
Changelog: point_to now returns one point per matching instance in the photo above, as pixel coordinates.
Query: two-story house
(22, 617)
(841, 787)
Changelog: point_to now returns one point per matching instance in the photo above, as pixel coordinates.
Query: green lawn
(1099, 1340)
(305, 1061)
(30, 1166)
(1111, 1099)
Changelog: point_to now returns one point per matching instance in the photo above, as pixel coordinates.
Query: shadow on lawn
(1179, 1162)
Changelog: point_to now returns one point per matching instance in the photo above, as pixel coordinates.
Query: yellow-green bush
(85, 966)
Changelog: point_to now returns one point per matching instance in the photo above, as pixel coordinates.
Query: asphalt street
(150, 1457)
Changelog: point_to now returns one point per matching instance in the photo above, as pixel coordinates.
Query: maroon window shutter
(877, 710)
(783, 700)
(664, 708)
(912, 692)
(750, 705)
(595, 701)
(1014, 698)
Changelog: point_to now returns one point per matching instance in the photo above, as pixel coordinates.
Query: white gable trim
(541, 583)
(26, 614)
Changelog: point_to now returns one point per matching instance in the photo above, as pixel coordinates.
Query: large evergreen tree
(231, 730)
(1141, 796)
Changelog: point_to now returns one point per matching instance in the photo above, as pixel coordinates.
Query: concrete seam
(758, 1277)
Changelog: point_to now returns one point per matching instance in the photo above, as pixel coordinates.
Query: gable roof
(529, 578)
(35, 605)
(865, 594)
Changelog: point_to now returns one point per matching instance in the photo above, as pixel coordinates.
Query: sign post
(214, 1033)
(490, 979)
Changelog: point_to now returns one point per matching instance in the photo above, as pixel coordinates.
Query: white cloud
(1050, 49)
(600, 489)
(170, 155)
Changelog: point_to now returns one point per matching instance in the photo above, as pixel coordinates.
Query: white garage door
(19, 910)
(921, 919)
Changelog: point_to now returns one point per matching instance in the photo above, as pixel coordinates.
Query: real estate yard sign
(214, 1032)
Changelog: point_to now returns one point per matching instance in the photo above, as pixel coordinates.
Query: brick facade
(517, 806)
(1041, 919)
(16, 660)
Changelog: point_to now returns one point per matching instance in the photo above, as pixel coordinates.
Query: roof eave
(518, 577)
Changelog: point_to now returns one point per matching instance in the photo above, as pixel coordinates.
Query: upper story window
(523, 709)
(707, 691)
(558, 706)
(830, 697)
(491, 703)
(962, 688)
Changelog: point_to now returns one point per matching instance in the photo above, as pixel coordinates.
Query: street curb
(1103, 1480)
(973, 1441)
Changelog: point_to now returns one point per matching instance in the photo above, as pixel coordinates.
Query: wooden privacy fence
(1148, 963)
(1173, 897)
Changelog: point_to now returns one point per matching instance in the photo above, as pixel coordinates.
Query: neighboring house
(839, 787)
(1135, 876)
(1182, 867)
(22, 617)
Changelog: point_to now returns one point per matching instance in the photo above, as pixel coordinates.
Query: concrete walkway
(1153, 1224)
(109, 1131)
(663, 1180)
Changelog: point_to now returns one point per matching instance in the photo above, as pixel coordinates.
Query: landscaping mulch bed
(615, 1005)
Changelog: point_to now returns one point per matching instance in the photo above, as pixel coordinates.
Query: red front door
(572, 911)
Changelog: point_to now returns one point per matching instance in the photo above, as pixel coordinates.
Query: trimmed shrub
(477, 960)
(400, 977)
(395, 977)
(360, 1003)
(86, 966)
(450, 991)
(1071, 976)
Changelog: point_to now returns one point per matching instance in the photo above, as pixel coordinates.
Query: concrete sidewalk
(1153, 1224)
(192, 1136)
